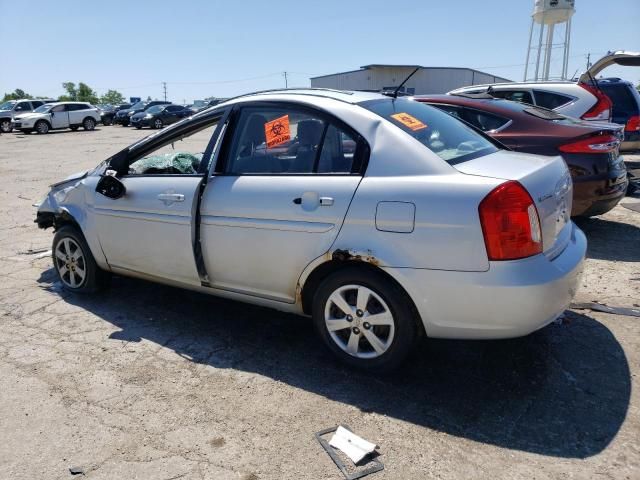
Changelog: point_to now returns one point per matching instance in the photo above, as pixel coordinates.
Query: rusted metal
(351, 255)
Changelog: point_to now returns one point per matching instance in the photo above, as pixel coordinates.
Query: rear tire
(42, 127)
(74, 262)
(88, 124)
(5, 125)
(341, 306)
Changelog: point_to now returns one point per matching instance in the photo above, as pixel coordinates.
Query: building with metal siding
(427, 80)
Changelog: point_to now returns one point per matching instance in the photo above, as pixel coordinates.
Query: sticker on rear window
(409, 121)
(277, 131)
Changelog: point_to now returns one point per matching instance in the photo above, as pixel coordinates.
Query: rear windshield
(447, 137)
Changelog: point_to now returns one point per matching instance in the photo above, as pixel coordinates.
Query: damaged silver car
(381, 218)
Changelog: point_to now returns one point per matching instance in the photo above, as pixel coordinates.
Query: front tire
(42, 127)
(74, 262)
(365, 319)
(157, 123)
(88, 124)
(5, 125)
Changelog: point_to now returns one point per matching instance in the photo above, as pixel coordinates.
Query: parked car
(108, 112)
(626, 109)
(160, 115)
(377, 245)
(55, 116)
(11, 108)
(123, 117)
(590, 149)
(583, 98)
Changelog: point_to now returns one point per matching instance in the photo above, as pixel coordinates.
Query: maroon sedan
(589, 149)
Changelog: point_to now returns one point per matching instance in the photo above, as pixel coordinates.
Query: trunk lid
(626, 59)
(547, 180)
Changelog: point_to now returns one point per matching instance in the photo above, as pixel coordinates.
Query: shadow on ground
(563, 391)
(610, 240)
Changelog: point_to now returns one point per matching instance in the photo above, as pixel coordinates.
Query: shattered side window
(180, 157)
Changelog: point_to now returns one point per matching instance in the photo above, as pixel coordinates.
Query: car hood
(140, 115)
(621, 57)
(29, 115)
(122, 113)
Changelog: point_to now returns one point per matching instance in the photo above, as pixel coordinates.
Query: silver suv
(11, 108)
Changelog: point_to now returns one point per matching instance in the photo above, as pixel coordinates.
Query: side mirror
(110, 187)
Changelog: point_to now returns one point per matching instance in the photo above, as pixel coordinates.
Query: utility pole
(286, 83)
(588, 61)
(164, 87)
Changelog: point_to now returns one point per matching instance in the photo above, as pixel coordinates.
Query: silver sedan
(381, 218)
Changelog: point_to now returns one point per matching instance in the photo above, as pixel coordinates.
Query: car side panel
(446, 233)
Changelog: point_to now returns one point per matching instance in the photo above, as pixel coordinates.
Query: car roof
(514, 84)
(347, 96)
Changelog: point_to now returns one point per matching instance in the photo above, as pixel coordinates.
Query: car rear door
(282, 186)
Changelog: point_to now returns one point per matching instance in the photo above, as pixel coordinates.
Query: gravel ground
(152, 382)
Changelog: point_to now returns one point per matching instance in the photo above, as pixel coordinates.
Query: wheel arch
(42, 120)
(68, 215)
(339, 260)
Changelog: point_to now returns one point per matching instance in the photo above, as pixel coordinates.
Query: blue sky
(212, 48)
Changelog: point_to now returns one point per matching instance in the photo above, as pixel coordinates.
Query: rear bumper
(597, 194)
(511, 299)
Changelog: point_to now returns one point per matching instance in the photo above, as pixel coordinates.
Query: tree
(83, 93)
(86, 94)
(72, 92)
(16, 95)
(112, 97)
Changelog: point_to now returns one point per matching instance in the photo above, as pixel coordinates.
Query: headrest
(310, 132)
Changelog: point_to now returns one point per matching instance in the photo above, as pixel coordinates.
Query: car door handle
(171, 197)
(326, 201)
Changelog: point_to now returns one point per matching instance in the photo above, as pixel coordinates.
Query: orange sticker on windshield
(277, 131)
(409, 121)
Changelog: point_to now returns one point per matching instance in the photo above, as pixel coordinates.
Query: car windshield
(447, 137)
(155, 109)
(138, 106)
(8, 105)
(43, 108)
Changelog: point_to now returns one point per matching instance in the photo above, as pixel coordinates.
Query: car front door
(151, 229)
(60, 116)
(281, 189)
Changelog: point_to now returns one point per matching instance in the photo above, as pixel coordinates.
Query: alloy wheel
(5, 126)
(42, 127)
(359, 321)
(158, 123)
(70, 262)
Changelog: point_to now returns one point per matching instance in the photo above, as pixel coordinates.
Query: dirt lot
(152, 382)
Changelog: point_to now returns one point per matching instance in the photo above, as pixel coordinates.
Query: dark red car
(591, 150)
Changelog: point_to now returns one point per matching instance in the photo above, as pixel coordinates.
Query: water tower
(550, 17)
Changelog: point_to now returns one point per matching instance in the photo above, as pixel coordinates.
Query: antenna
(395, 92)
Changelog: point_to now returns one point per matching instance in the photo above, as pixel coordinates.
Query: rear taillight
(596, 144)
(510, 223)
(633, 124)
(602, 109)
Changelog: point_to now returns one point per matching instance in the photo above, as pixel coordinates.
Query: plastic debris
(367, 463)
(599, 307)
(355, 447)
